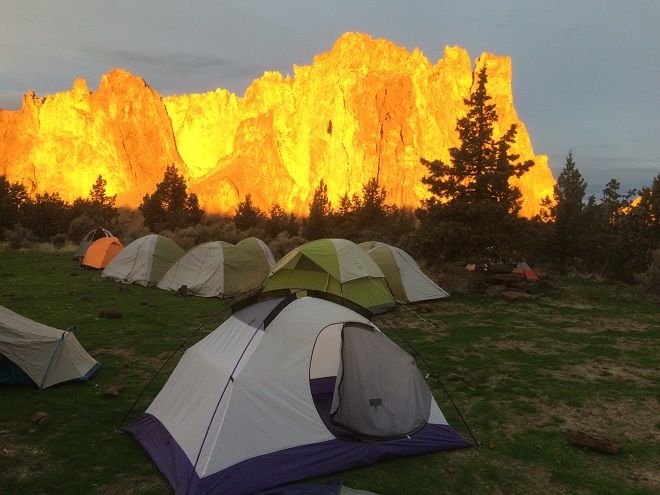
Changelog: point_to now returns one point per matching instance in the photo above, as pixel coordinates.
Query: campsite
(579, 356)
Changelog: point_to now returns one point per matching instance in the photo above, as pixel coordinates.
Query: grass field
(583, 356)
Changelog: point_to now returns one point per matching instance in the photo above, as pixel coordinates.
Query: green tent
(404, 276)
(144, 261)
(337, 266)
(214, 269)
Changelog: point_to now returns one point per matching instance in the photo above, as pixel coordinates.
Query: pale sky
(586, 73)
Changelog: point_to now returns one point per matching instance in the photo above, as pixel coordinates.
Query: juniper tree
(171, 206)
(319, 222)
(472, 198)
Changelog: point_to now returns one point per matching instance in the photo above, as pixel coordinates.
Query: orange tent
(525, 269)
(101, 252)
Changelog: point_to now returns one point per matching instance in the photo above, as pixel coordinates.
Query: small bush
(59, 241)
(79, 226)
(650, 279)
(283, 243)
(20, 237)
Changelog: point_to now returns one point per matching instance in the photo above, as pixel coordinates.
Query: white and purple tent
(287, 389)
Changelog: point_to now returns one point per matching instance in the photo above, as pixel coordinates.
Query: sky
(586, 73)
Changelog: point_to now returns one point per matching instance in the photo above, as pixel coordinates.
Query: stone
(516, 295)
(113, 391)
(110, 313)
(39, 418)
(595, 442)
(365, 108)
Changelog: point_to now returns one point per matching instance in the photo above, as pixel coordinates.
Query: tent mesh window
(378, 392)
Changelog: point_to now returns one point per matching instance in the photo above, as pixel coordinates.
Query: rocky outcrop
(367, 108)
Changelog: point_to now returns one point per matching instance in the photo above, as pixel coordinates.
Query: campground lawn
(584, 355)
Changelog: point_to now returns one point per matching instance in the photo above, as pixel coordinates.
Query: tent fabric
(381, 393)
(525, 269)
(261, 253)
(88, 239)
(101, 252)
(405, 278)
(337, 266)
(237, 414)
(47, 355)
(144, 261)
(214, 269)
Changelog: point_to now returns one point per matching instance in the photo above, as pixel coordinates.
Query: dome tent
(286, 389)
(260, 251)
(144, 261)
(34, 352)
(336, 266)
(406, 279)
(214, 269)
(101, 252)
(88, 239)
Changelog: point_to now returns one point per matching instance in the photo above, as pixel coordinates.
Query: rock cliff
(367, 108)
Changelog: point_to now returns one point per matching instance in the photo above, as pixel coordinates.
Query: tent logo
(375, 403)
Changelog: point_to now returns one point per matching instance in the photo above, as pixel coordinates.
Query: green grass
(585, 356)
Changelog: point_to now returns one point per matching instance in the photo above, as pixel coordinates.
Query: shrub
(58, 241)
(20, 237)
(283, 243)
(650, 279)
(79, 226)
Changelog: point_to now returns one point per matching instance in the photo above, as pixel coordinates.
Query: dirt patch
(24, 459)
(539, 346)
(599, 370)
(570, 304)
(619, 420)
(141, 484)
(599, 325)
(647, 477)
(121, 354)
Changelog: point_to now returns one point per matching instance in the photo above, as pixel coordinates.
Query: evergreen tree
(568, 211)
(46, 216)
(99, 208)
(170, 206)
(248, 215)
(371, 211)
(473, 206)
(13, 198)
(319, 222)
(280, 221)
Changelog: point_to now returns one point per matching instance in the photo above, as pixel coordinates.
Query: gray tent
(144, 261)
(31, 351)
(88, 239)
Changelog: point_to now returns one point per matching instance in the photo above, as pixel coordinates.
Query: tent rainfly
(523, 268)
(31, 352)
(406, 279)
(214, 269)
(286, 389)
(101, 252)
(337, 266)
(88, 239)
(260, 251)
(144, 261)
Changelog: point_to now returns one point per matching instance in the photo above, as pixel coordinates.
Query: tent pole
(213, 316)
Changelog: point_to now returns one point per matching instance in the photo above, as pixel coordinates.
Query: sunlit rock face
(367, 108)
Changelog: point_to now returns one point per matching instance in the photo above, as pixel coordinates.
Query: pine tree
(319, 221)
(280, 221)
(248, 215)
(568, 211)
(472, 200)
(13, 198)
(372, 210)
(170, 206)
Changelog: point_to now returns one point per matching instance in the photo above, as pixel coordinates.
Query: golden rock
(367, 108)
